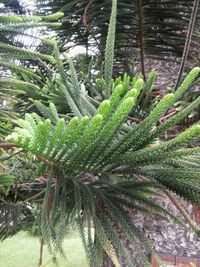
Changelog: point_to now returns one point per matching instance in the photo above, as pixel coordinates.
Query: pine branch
(109, 51)
(22, 53)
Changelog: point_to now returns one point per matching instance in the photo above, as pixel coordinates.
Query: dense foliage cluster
(89, 161)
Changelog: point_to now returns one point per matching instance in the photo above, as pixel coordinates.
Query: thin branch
(41, 252)
(2, 200)
(141, 29)
(46, 161)
(45, 66)
(85, 16)
(181, 209)
(10, 156)
(35, 196)
(183, 212)
(48, 210)
(7, 146)
(169, 115)
(188, 41)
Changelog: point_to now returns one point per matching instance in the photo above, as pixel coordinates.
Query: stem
(181, 209)
(187, 41)
(49, 205)
(41, 251)
(7, 146)
(141, 36)
(46, 161)
(85, 16)
(45, 66)
(183, 212)
(10, 156)
(48, 208)
(35, 196)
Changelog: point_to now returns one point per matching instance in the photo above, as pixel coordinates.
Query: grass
(22, 250)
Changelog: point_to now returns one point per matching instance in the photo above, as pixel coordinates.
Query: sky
(73, 51)
(28, 3)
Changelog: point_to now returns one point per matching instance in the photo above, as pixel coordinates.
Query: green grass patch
(22, 250)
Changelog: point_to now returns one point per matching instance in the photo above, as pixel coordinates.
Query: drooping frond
(14, 218)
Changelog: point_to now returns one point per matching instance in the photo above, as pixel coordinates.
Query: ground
(22, 250)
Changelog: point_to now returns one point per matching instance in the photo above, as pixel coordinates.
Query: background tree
(155, 29)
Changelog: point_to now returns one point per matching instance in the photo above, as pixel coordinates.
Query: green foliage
(97, 164)
(168, 22)
(84, 153)
(6, 179)
(109, 51)
(53, 17)
(147, 90)
(14, 217)
(10, 51)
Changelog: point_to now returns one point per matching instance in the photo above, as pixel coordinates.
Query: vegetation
(79, 156)
(149, 29)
